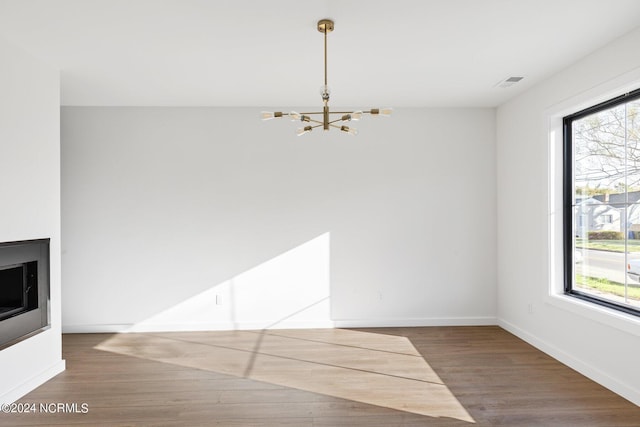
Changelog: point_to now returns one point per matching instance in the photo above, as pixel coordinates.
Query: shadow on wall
(289, 290)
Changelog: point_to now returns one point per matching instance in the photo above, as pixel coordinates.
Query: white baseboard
(625, 390)
(185, 327)
(415, 322)
(33, 382)
(95, 329)
(319, 324)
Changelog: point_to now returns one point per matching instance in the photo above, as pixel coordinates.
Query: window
(601, 195)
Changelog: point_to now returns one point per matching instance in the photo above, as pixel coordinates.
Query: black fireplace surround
(24, 289)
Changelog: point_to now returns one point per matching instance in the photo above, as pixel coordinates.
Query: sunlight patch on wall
(293, 287)
(376, 369)
(290, 290)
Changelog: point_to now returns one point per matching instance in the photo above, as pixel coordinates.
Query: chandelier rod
(325, 57)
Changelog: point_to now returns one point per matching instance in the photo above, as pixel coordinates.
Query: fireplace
(24, 289)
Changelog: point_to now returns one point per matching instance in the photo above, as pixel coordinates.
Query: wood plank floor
(440, 376)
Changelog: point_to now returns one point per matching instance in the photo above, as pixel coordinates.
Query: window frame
(567, 200)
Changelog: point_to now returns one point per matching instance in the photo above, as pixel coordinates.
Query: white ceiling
(401, 53)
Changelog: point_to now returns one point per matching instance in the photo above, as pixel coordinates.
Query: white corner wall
(602, 345)
(30, 194)
(208, 218)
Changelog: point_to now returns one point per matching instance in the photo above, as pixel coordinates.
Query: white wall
(166, 210)
(601, 344)
(30, 195)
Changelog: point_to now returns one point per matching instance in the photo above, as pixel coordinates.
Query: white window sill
(610, 317)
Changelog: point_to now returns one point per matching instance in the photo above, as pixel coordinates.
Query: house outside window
(602, 203)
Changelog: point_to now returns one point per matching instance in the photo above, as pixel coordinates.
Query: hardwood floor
(440, 376)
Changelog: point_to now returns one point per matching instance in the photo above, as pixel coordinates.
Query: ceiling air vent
(508, 82)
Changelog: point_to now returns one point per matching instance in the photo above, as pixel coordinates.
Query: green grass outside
(607, 286)
(609, 245)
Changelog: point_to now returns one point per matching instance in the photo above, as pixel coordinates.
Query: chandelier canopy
(326, 118)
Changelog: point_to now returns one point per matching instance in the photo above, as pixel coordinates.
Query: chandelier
(326, 118)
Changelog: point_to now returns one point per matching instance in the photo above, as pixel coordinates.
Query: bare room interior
(328, 213)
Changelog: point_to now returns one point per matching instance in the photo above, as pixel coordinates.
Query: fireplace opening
(18, 289)
(24, 290)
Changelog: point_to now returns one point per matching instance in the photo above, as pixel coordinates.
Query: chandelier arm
(308, 113)
(347, 112)
(340, 112)
(316, 121)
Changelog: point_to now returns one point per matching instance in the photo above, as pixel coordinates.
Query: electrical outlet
(218, 299)
(530, 308)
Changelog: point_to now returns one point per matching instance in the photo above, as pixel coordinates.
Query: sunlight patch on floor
(376, 369)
